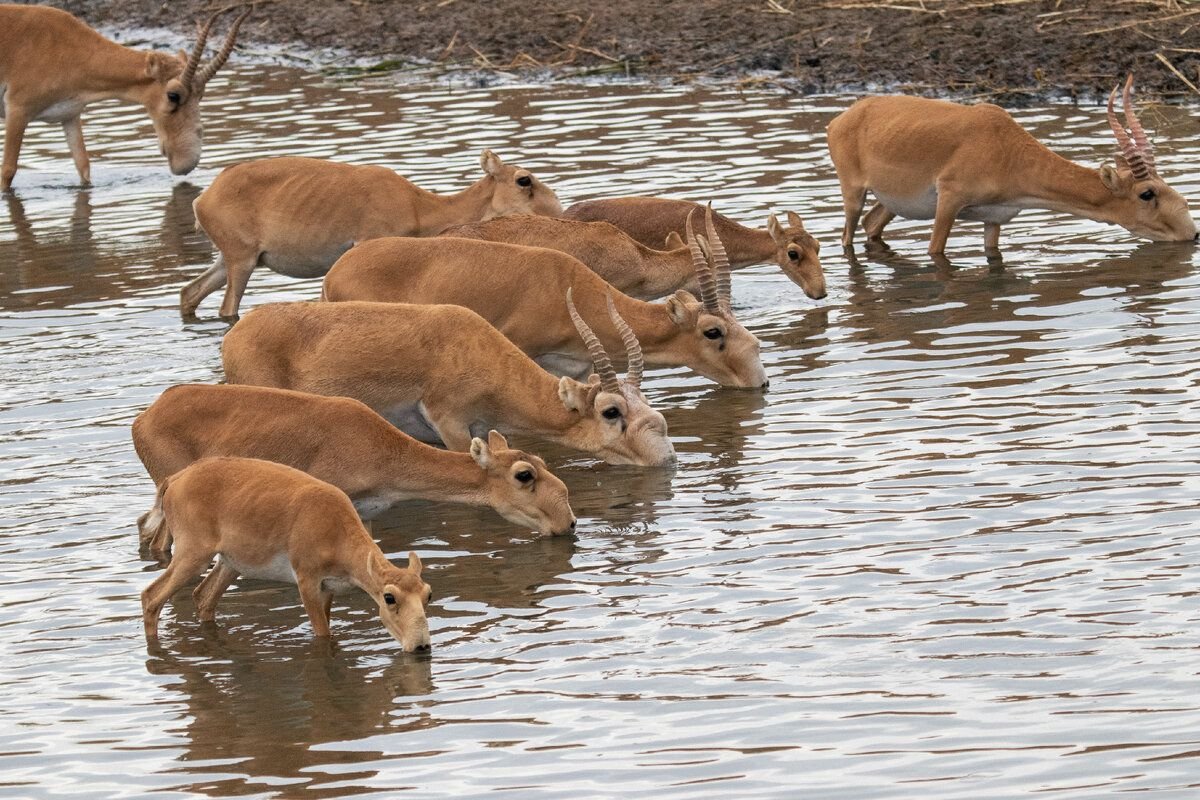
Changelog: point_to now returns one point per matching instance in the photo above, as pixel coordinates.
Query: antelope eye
(793, 255)
(174, 97)
(1147, 195)
(389, 598)
(525, 181)
(712, 333)
(524, 476)
(612, 412)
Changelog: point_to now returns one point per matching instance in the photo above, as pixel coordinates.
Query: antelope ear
(794, 220)
(573, 394)
(776, 231)
(1110, 178)
(674, 241)
(156, 65)
(182, 56)
(497, 441)
(414, 562)
(679, 307)
(490, 162)
(481, 452)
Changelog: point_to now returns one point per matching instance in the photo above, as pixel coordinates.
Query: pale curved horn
(633, 348)
(1129, 150)
(189, 69)
(600, 359)
(703, 270)
(222, 56)
(720, 260)
(1140, 140)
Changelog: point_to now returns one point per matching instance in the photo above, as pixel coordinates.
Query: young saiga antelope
(659, 221)
(341, 441)
(932, 159)
(297, 215)
(52, 66)
(265, 520)
(519, 289)
(442, 373)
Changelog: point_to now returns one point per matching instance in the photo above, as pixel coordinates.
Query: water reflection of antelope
(255, 713)
(968, 296)
(49, 267)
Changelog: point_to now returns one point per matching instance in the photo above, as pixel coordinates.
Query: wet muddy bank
(1005, 49)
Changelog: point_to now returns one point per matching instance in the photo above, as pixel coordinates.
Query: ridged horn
(1140, 140)
(633, 348)
(189, 69)
(703, 269)
(600, 359)
(720, 260)
(1129, 150)
(222, 56)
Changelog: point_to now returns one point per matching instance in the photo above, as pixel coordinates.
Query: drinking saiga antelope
(341, 441)
(269, 521)
(442, 373)
(932, 159)
(660, 221)
(519, 289)
(297, 215)
(52, 66)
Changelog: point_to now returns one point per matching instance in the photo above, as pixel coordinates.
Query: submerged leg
(73, 128)
(211, 588)
(991, 236)
(188, 563)
(14, 133)
(317, 601)
(208, 282)
(948, 206)
(853, 199)
(238, 275)
(875, 221)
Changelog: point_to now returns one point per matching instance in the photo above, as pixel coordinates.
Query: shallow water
(951, 553)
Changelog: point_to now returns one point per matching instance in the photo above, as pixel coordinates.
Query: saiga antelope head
(174, 101)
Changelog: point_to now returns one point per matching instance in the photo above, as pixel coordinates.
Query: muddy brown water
(951, 553)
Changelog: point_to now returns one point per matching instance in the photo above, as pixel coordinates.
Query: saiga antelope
(442, 373)
(297, 215)
(932, 159)
(266, 520)
(517, 289)
(341, 441)
(660, 221)
(52, 66)
(630, 266)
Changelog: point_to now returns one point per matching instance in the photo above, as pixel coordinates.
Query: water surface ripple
(951, 553)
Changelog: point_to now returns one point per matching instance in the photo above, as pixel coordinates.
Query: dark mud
(1005, 49)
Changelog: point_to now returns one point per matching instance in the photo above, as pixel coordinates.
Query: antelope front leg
(14, 132)
(454, 434)
(948, 206)
(73, 128)
(316, 601)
